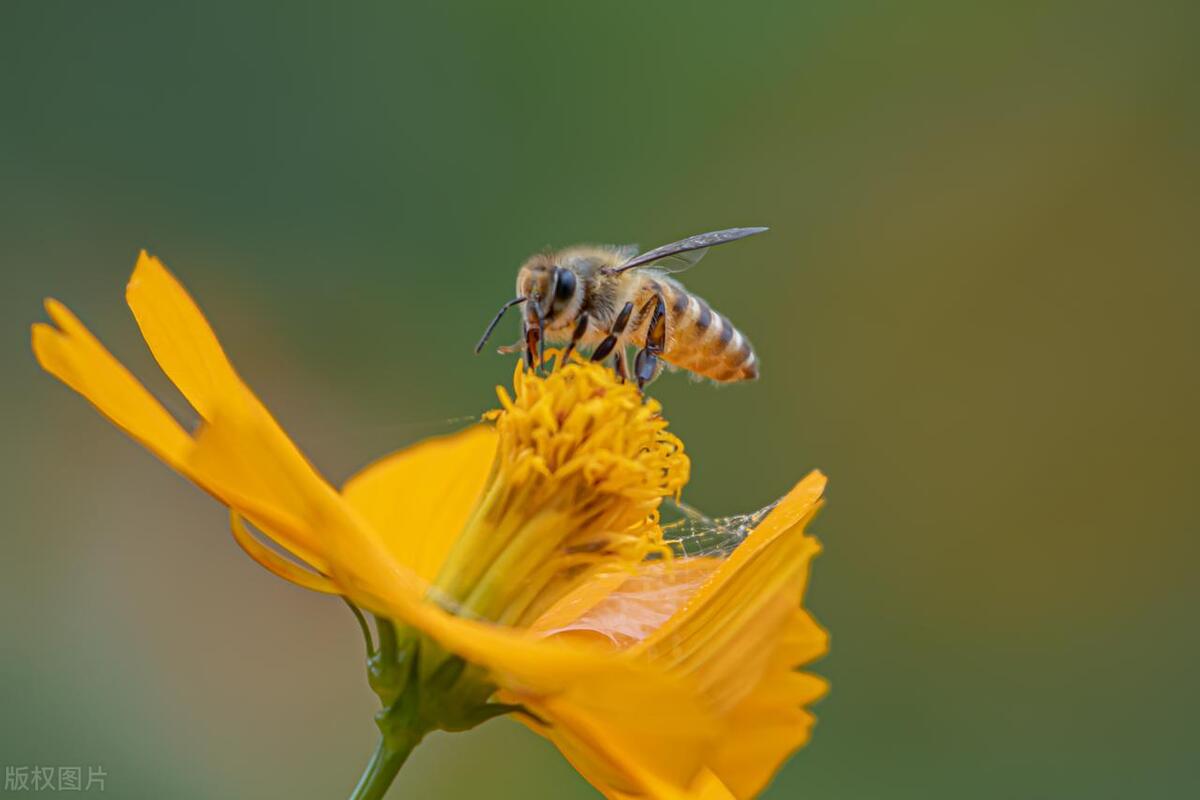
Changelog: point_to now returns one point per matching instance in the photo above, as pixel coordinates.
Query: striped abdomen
(704, 342)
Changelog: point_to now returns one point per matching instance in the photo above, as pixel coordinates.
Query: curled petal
(274, 562)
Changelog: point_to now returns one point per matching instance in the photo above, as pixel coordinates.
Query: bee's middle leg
(618, 327)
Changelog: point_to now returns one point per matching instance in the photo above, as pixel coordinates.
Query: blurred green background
(976, 310)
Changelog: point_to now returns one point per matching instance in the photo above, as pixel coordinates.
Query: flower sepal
(422, 687)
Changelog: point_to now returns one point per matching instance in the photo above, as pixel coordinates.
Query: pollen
(582, 465)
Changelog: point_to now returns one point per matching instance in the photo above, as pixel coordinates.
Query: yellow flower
(521, 559)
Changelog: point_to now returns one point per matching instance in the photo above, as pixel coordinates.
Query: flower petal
(271, 477)
(628, 738)
(707, 786)
(770, 723)
(741, 594)
(72, 354)
(736, 628)
(419, 499)
(740, 637)
(241, 450)
(180, 338)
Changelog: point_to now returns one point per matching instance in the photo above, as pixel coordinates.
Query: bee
(606, 298)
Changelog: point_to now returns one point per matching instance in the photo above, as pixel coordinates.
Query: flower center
(582, 465)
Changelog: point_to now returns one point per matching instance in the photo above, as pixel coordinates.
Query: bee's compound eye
(565, 288)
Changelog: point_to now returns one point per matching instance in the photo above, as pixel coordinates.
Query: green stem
(392, 673)
(381, 770)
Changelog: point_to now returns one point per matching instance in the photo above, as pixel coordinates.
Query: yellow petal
(740, 637)
(707, 786)
(73, 355)
(188, 352)
(629, 738)
(180, 338)
(767, 727)
(740, 605)
(269, 473)
(770, 723)
(736, 629)
(419, 499)
(250, 465)
(241, 450)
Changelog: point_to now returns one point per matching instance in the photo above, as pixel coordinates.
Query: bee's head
(550, 293)
(550, 290)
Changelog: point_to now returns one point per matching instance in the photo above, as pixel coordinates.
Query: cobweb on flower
(691, 534)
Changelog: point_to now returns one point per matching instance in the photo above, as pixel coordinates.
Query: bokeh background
(976, 310)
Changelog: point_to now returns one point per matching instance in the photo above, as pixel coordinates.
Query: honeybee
(606, 298)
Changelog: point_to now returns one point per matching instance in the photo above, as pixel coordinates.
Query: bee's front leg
(509, 349)
(533, 337)
(580, 329)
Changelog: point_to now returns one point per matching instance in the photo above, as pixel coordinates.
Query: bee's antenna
(496, 321)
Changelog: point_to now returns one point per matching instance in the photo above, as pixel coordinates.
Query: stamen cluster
(582, 464)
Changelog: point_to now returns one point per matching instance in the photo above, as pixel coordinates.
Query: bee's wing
(678, 256)
(626, 252)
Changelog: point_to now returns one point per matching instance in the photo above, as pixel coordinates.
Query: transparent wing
(676, 262)
(626, 252)
(678, 256)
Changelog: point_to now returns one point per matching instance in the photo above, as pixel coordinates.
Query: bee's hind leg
(646, 365)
